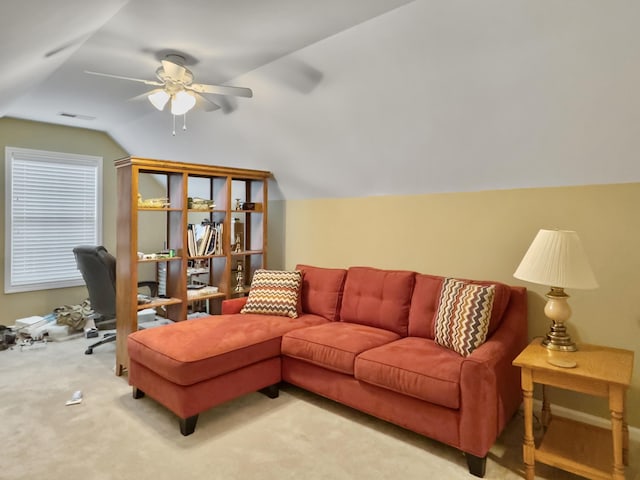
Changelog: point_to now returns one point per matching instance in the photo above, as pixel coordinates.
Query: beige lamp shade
(556, 258)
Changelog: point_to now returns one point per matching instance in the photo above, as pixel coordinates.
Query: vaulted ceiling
(351, 98)
(47, 46)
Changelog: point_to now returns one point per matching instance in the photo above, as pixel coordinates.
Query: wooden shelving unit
(228, 188)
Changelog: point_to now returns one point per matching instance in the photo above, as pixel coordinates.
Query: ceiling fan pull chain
(174, 126)
(184, 122)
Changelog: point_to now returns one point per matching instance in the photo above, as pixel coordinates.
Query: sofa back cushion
(322, 290)
(378, 298)
(426, 298)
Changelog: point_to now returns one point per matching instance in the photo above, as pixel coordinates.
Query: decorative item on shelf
(152, 202)
(556, 258)
(237, 235)
(248, 206)
(196, 203)
(239, 278)
(238, 204)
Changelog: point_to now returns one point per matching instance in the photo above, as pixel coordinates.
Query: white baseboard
(634, 432)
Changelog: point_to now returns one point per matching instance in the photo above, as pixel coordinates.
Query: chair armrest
(151, 285)
(233, 305)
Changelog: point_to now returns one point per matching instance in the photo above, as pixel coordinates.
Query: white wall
(436, 96)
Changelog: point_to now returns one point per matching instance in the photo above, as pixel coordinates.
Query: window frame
(85, 165)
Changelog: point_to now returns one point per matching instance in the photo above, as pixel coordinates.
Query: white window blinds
(53, 204)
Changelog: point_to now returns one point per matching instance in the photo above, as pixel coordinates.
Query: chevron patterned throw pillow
(274, 292)
(462, 317)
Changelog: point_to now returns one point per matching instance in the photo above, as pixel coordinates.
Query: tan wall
(484, 235)
(475, 235)
(57, 138)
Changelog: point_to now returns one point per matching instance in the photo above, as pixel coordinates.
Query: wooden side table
(592, 452)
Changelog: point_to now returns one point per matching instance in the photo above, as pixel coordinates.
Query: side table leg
(529, 447)
(625, 432)
(616, 405)
(546, 409)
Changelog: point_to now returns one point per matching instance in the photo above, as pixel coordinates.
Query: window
(53, 204)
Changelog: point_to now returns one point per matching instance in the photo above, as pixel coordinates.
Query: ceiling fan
(175, 83)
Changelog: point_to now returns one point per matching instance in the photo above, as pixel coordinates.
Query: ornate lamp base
(558, 339)
(558, 310)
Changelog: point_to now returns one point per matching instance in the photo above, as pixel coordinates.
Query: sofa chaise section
(194, 365)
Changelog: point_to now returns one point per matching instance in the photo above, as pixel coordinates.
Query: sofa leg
(272, 391)
(137, 393)
(477, 465)
(188, 425)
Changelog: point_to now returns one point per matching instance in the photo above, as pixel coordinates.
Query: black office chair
(98, 269)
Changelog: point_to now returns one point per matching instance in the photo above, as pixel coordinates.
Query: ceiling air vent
(76, 115)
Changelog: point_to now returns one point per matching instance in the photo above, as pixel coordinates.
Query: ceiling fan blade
(120, 77)
(206, 104)
(221, 90)
(173, 70)
(145, 95)
(226, 102)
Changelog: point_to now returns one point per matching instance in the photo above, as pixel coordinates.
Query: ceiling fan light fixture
(159, 99)
(182, 102)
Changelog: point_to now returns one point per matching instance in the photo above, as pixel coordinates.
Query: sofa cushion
(192, 351)
(426, 296)
(321, 292)
(413, 366)
(378, 298)
(274, 292)
(462, 317)
(334, 345)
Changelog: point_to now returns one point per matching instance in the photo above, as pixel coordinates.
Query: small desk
(592, 452)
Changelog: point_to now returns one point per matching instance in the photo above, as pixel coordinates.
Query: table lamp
(556, 258)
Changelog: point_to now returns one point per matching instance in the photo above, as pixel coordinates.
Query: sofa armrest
(489, 383)
(233, 305)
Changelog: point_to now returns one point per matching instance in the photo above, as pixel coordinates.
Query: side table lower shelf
(576, 447)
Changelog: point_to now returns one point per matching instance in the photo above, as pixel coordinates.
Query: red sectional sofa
(366, 338)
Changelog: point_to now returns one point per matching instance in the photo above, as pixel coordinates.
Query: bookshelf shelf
(158, 209)
(160, 259)
(159, 302)
(247, 252)
(170, 227)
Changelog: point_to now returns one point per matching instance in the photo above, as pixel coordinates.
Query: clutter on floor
(37, 328)
(75, 399)
(63, 323)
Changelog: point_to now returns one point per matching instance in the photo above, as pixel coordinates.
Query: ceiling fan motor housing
(173, 84)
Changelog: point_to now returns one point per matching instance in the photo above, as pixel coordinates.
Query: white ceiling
(47, 45)
(351, 97)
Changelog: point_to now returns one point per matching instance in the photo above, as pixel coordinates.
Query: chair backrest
(98, 269)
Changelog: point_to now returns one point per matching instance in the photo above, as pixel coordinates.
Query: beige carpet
(296, 436)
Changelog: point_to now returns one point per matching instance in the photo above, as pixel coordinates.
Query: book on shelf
(191, 243)
(204, 238)
(202, 234)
